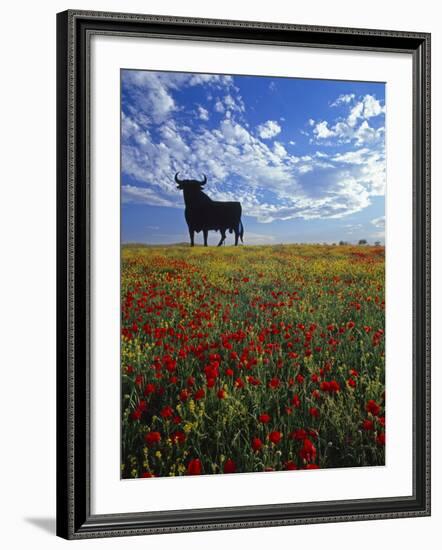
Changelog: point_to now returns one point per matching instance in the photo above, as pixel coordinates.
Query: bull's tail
(241, 232)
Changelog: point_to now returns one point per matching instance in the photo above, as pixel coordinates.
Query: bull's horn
(176, 178)
(204, 180)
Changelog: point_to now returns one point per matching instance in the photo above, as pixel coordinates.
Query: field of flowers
(253, 358)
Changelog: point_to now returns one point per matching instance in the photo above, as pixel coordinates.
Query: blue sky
(305, 157)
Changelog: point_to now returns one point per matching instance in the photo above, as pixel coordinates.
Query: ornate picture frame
(75, 216)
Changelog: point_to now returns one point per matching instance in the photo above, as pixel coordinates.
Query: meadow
(251, 358)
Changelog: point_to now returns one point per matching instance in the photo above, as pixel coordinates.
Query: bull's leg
(205, 233)
(223, 237)
(236, 237)
(192, 237)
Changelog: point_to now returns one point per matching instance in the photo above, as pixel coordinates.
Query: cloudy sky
(306, 158)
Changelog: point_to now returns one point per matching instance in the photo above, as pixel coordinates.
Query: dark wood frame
(74, 519)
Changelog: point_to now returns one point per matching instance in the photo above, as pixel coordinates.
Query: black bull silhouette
(204, 214)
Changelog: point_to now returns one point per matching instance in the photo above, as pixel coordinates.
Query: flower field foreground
(249, 359)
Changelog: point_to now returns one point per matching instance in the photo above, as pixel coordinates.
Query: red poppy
(152, 437)
(307, 451)
(380, 440)
(313, 411)
(351, 383)
(150, 388)
(372, 407)
(166, 412)
(147, 474)
(199, 394)
(256, 444)
(368, 425)
(178, 437)
(334, 386)
(296, 402)
(275, 437)
(221, 394)
(274, 383)
(194, 468)
(298, 435)
(312, 467)
(290, 465)
(170, 365)
(136, 414)
(229, 466)
(184, 394)
(264, 418)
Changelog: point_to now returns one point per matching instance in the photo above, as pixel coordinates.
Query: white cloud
(219, 81)
(249, 170)
(229, 102)
(368, 165)
(358, 156)
(366, 134)
(355, 127)
(269, 129)
(270, 183)
(236, 104)
(351, 229)
(219, 107)
(367, 108)
(133, 193)
(379, 234)
(379, 223)
(203, 113)
(234, 133)
(279, 149)
(151, 91)
(259, 238)
(372, 107)
(342, 99)
(322, 131)
(355, 114)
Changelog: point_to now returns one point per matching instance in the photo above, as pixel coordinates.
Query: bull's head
(190, 184)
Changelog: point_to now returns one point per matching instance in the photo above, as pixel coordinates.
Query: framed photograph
(243, 274)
